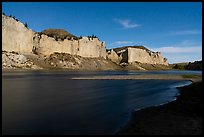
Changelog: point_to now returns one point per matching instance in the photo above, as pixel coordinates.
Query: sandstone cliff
(44, 45)
(17, 38)
(24, 48)
(136, 54)
(56, 48)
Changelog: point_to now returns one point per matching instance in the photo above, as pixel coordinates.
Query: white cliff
(142, 56)
(41, 48)
(112, 55)
(134, 54)
(16, 37)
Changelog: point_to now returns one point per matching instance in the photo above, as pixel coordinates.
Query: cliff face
(142, 56)
(112, 55)
(84, 47)
(44, 50)
(132, 54)
(17, 38)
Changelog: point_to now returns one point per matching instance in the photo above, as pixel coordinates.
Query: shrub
(165, 59)
(75, 38)
(26, 25)
(80, 37)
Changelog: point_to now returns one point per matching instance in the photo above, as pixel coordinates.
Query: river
(50, 102)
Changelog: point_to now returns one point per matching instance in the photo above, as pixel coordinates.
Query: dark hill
(197, 65)
(57, 33)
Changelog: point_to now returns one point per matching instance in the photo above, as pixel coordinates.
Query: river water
(49, 102)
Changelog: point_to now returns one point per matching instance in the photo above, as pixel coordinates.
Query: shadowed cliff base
(180, 117)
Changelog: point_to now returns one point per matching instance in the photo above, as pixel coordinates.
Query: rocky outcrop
(17, 38)
(112, 55)
(142, 56)
(14, 60)
(56, 48)
(134, 54)
(84, 47)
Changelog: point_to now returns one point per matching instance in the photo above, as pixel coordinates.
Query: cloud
(121, 42)
(186, 32)
(126, 23)
(197, 49)
(178, 58)
(185, 46)
(184, 51)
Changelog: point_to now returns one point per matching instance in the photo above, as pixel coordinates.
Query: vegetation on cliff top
(58, 34)
(63, 34)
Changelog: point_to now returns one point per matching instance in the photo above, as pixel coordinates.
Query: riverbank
(180, 117)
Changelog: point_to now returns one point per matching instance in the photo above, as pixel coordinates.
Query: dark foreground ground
(180, 117)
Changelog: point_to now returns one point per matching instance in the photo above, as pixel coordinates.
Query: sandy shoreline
(143, 76)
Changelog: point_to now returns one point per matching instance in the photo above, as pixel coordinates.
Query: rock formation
(17, 38)
(44, 45)
(112, 55)
(140, 54)
(56, 48)
(12, 60)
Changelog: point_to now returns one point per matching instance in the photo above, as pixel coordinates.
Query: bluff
(57, 48)
(16, 37)
(136, 54)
